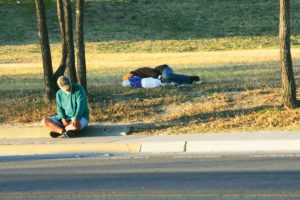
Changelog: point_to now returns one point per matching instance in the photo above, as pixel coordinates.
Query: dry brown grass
(241, 91)
(28, 58)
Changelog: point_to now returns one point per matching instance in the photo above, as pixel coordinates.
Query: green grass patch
(159, 26)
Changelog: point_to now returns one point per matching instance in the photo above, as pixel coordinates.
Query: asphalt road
(180, 176)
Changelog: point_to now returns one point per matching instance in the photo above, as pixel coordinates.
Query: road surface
(179, 176)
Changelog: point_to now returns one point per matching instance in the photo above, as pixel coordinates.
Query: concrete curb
(44, 149)
(243, 146)
(196, 143)
(262, 142)
(163, 147)
(153, 147)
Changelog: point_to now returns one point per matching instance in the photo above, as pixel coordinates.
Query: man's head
(64, 84)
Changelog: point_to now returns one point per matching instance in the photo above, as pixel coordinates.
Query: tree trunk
(80, 51)
(62, 66)
(287, 74)
(45, 49)
(69, 41)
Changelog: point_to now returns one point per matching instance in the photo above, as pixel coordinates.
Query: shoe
(123, 133)
(194, 78)
(54, 134)
(69, 134)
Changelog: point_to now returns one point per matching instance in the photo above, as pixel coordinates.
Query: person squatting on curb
(72, 110)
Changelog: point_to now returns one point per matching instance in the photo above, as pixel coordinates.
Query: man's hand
(65, 122)
(76, 123)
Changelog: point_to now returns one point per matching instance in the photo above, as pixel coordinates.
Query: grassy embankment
(241, 90)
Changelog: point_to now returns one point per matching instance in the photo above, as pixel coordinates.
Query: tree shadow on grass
(199, 118)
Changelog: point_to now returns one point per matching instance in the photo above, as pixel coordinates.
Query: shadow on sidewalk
(105, 130)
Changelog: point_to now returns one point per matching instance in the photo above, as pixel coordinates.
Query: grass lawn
(158, 25)
(241, 91)
(230, 44)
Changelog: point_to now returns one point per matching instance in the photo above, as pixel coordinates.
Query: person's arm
(80, 101)
(65, 122)
(60, 110)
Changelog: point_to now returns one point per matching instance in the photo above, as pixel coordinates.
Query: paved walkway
(35, 141)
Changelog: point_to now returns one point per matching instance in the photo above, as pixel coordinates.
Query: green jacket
(73, 105)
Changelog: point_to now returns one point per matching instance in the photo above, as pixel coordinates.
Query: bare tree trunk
(70, 41)
(80, 50)
(45, 48)
(287, 74)
(62, 66)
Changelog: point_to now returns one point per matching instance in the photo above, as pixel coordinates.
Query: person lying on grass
(72, 110)
(165, 73)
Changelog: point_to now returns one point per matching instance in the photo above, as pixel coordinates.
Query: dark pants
(169, 76)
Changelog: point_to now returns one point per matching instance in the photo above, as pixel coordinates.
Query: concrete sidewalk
(259, 142)
(36, 131)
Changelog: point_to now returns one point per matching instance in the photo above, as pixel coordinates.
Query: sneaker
(123, 134)
(69, 134)
(54, 134)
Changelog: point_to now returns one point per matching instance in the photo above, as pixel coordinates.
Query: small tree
(80, 51)
(64, 13)
(61, 21)
(69, 41)
(45, 49)
(287, 74)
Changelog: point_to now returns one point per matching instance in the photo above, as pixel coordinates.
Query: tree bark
(62, 66)
(287, 74)
(69, 41)
(80, 49)
(45, 49)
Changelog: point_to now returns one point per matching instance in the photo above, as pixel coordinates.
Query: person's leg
(53, 124)
(178, 78)
(83, 123)
(72, 131)
(169, 76)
